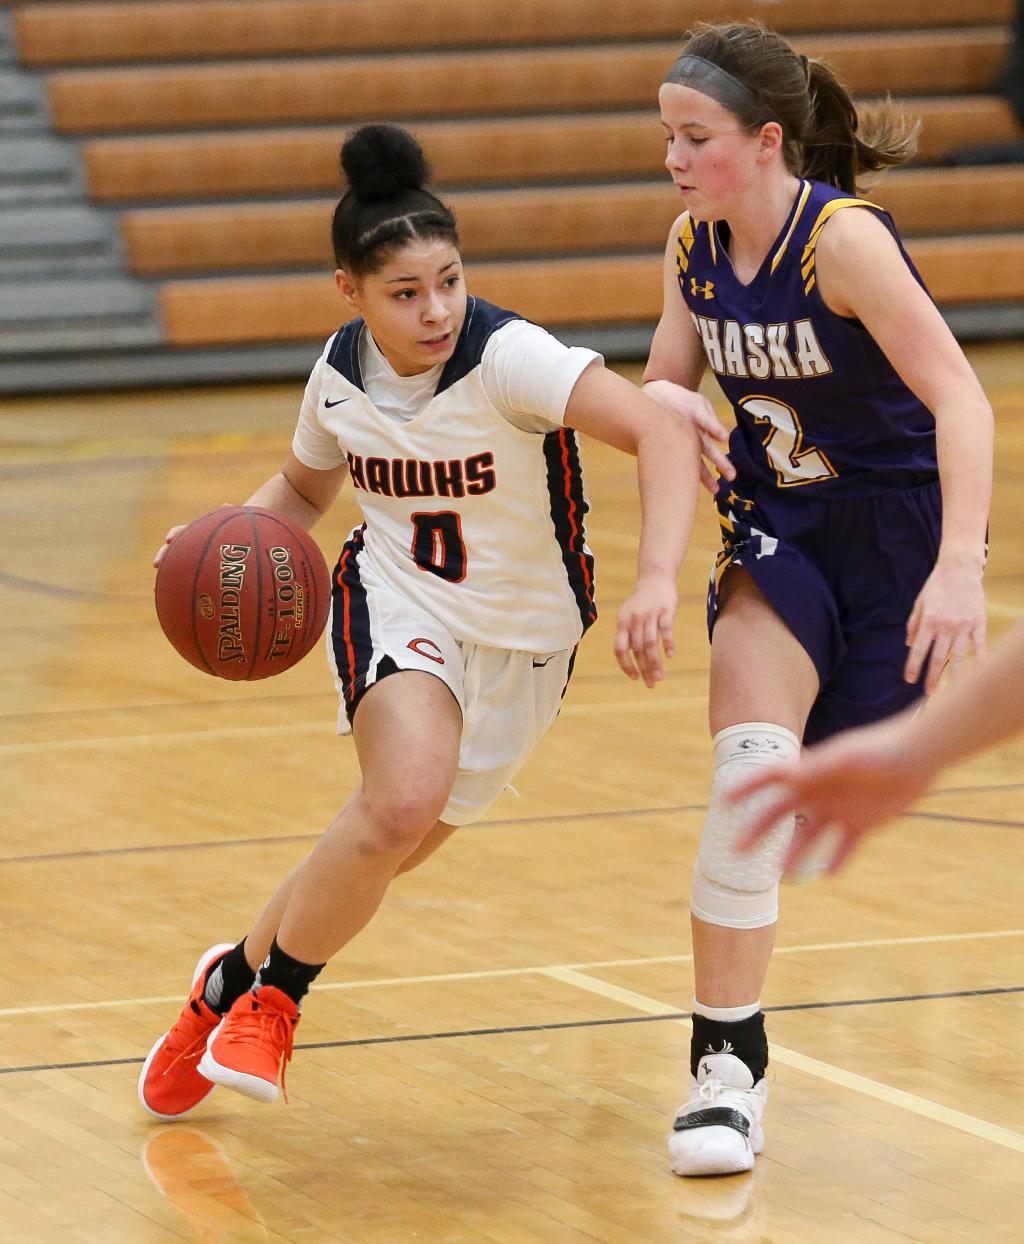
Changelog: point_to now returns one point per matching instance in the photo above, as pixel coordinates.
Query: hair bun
(380, 161)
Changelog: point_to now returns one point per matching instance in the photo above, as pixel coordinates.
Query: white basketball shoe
(719, 1131)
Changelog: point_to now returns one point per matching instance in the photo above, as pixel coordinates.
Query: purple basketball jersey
(818, 406)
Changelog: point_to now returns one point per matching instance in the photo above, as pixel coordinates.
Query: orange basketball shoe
(169, 1084)
(252, 1044)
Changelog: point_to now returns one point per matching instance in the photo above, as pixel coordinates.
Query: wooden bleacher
(90, 33)
(534, 150)
(592, 219)
(538, 119)
(506, 82)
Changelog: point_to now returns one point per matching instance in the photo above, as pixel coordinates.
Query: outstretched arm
(858, 780)
(675, 367)
(606, 406)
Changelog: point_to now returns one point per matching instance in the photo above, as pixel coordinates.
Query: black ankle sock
(228, 980)
(743, 1037)
(289, 975)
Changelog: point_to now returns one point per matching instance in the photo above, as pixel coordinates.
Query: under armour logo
(707, 289)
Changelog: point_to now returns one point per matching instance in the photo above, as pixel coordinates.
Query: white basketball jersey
(477, 520)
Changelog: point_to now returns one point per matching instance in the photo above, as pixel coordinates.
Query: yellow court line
(536, 970)
(300, 727)
(922, 1106)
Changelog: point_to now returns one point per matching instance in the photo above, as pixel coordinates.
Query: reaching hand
(699, 411)
(842, 788)
(645, 619)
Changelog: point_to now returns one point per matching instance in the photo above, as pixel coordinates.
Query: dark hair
(386, 204)
(822, 135)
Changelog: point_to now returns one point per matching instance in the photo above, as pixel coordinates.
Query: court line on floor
(325, 725)
(554, 1026)
(172, 848)
(505, 823)
(900, 1098)
(992, 822)
(927, 939)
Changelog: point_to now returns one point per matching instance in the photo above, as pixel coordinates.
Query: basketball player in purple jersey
(853, 506)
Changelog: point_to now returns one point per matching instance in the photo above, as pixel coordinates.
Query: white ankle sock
(726, 1014)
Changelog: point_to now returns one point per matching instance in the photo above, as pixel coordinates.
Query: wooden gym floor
(496, 1060)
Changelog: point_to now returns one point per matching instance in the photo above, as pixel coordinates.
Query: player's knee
(736, 889)
(396, 822)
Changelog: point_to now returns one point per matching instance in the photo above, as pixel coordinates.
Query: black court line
(555, 1027)
(171, 848)
(970, 790)
(510, 823)
(20, 584)
(963, 820)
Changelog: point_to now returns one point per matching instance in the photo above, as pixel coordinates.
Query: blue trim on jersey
(343, 355)
(482, 320)
(350, 622)
(568, 510)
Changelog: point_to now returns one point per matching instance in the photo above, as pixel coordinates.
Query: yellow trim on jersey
(824, 216)
(802, 203)
(722, 563)
(714, 245)
(683, 244)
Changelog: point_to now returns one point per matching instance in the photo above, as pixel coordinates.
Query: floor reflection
(192, 1170)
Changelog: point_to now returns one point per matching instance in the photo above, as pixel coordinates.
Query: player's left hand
(645, 628)
(947, 621)
(842, 789)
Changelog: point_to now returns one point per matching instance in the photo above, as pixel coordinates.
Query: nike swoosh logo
(537, 665)
(328, 403)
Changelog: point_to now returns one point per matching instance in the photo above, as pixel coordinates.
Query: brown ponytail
(840, 147)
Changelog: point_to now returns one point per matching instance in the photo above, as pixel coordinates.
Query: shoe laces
(710, 1088)
(186, 1038)
(265, 1025)
(716, 1092)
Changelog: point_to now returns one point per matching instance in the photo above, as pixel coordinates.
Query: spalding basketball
(242, 593)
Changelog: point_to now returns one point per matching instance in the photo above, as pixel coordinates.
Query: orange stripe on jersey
(567, 478)
(346, 597)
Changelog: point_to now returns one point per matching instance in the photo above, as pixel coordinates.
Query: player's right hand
(169, 539)
(712, 432)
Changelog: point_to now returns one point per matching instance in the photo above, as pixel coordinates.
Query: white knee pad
(741, 891)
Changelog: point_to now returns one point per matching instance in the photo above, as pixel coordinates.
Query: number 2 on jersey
(437, 545)
(794, 462)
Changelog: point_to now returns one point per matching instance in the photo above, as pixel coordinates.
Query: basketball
(242, 593)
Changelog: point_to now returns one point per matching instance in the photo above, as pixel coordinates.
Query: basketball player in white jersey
(459, 601)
